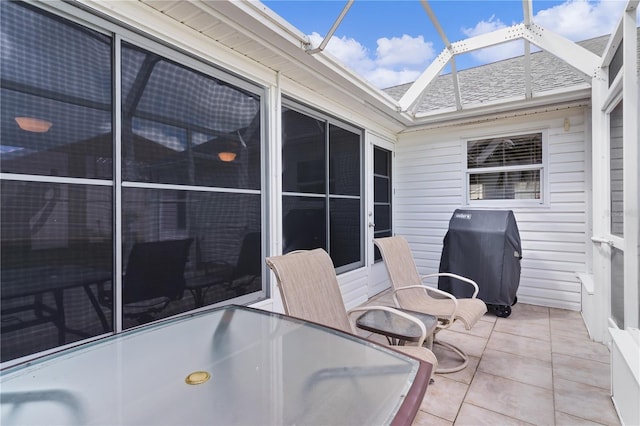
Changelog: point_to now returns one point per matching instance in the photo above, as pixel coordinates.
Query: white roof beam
(528, 88)
(333, 29)
(573, 54)
(447, 44)
(410, 98)
(502, 35)
(414, 93)
(527, 12)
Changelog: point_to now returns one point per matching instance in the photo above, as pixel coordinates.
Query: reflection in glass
(57, 240)
(344, 161)
(515, 185)
(180, 126)
(332, 174)
(54, 72)
(303, 153)
(500, 152)
(304, 223)
(207, 242)
(345, 240)
(56, 251)
(381, 196)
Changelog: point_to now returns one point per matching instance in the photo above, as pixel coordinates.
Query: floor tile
(488, 317)
(513, 399)
(564, 419)
(588, 372)
(444, 398)
(534, 329)
(470, 415)
(556, 314)
(480, 329)
(522, 369)
(528, 312)
(465, 375)
(471, 345)
(520, 345)
(584, 401)
(579, 348)
(423, 418)
(538, 366)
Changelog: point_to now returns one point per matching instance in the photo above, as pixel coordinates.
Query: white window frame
(544, 187)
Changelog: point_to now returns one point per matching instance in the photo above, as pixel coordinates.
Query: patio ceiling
(251, 29)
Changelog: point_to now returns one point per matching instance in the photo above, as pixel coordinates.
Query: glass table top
(231, 365)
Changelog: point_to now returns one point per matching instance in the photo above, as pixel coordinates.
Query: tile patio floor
(536, 367)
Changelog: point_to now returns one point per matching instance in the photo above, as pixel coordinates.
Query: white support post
(631, 159)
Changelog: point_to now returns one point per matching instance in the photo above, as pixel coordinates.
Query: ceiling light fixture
(227, 156)
(35, 125)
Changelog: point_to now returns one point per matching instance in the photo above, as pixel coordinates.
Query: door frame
(624, 89)
(378, 278)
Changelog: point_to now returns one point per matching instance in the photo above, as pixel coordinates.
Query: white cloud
(405, 50)
(581, 19)
(484, 27)
(496, 53)
(396, 60)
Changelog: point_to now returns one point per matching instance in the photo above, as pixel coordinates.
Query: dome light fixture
(32, 124)
(227, 156)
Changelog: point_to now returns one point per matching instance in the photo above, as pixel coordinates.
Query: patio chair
(154, 278)
(310, 291)
(409, 292)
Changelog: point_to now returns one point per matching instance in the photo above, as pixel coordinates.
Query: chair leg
(457, 351)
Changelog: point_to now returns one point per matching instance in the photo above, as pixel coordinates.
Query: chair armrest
(420, 324)
(457, 277)
(433, 290)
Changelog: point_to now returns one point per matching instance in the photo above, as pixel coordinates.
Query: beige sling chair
(310, 291)
(409, 292)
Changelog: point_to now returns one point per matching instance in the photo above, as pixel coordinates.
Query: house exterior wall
(429, 186)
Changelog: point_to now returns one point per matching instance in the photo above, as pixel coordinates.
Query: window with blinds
(505, 168)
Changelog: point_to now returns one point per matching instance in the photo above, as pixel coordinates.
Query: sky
(392, 42)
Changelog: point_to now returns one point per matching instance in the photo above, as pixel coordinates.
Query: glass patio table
(397, 329)
(231, 365)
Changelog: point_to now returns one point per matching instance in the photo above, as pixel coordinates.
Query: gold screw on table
(197, 378)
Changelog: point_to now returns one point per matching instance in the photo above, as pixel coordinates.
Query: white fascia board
(515, 106)
(363, 114)
(426, 78)
(576, 56)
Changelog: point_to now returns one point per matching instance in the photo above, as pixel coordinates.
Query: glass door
(380, 210)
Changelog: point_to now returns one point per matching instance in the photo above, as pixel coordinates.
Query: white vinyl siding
(429, 186)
